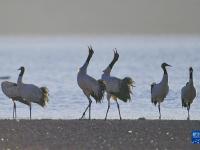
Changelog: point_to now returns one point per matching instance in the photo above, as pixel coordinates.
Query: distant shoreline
(96, 35)
(99, 17)
(97, 134)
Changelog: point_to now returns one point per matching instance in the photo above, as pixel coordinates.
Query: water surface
(54, 62)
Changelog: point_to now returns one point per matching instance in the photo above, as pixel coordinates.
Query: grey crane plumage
(89, 85)
(188, 93)
(24, 93)
(159, 91)
(115, 87)
(32, 93)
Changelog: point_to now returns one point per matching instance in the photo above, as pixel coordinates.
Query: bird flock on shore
(114, 87)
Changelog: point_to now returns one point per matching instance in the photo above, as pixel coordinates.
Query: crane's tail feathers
(45, 96)
(100, 93)
(154, 102)
(185, 104)
(125, 89)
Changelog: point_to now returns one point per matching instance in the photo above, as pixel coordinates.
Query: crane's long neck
(191, 78)
(88, 58)
(85, 65)
(110, 66)
(19, 81)
(165, 75)
(112, 63)
(165, 71)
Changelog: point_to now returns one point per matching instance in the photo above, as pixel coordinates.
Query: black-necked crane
(89, 85)
(115, 87)
(11, 91)
(159, 91)
(31, 93)
(188, 93)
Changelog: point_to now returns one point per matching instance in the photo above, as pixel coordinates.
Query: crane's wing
(10, 89)
(31, 92)
(112, 84)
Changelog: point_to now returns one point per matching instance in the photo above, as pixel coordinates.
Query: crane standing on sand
(115, 87)
(89, 85)
(159, 91)
(24, 93)
(31, 93)
(188, 93)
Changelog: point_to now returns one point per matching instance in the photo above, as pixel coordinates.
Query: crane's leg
(108, 98)
(119, 110)
(84, 112)
(188, 109)
(159, 110)
(90, 102)
(107, 108)
(30, 110)
(86, 108)
(15, 110)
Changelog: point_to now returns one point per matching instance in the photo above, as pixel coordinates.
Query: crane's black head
(191, 69)
(116, 55)
(91, 51)
(22, 69)
(191, 72)
(165, 65)
(115, 58)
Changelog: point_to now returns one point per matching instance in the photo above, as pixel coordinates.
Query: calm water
(54, 62)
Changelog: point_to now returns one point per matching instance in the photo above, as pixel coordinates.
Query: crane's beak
(19, 69)
(168, 65)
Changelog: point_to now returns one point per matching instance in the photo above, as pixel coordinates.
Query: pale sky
(99, 17)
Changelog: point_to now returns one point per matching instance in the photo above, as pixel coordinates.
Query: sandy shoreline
(97, 134)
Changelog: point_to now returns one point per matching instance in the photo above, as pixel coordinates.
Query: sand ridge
(97, 134)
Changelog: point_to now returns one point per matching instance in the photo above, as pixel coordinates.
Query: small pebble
(130, 131)
(151, 141)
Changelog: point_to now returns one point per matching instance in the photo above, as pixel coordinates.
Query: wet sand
(97, 134)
